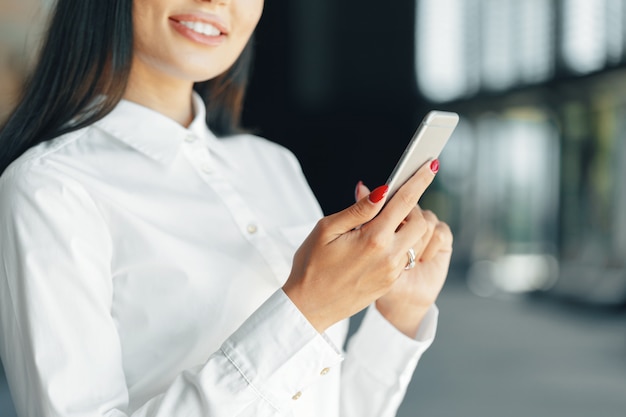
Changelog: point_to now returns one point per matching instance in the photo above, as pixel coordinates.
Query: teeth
(203, 28)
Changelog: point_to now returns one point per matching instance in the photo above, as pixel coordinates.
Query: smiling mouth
(202, 28)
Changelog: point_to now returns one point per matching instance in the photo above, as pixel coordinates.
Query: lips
(200, 28)
(202, 23)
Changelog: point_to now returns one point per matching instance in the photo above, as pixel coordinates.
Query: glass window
(535, 55)
(615, 30)
(465, 45)
(584, 35)
(497, 41)
(439, 57)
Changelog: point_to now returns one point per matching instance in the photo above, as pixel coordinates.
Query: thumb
(359, 213)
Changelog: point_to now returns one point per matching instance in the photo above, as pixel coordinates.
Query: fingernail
(356, 189)
(379, 193)
(434, 166)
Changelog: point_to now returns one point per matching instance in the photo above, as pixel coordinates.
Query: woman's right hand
(353, 257)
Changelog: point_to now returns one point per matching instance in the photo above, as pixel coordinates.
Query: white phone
(427, 143)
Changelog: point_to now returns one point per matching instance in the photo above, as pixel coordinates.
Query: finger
(405, 200)
(417, 230)
(440, 240)
(357, 214)
(360, 191)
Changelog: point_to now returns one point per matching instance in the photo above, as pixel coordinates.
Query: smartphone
(427, 143)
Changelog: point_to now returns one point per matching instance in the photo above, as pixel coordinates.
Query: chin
(201, 73)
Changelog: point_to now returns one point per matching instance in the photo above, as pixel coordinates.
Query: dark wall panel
(334, 82)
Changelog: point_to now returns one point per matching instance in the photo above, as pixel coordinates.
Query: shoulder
(44, 153)
(40, 171)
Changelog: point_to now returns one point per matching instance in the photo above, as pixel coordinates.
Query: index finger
(402, 202)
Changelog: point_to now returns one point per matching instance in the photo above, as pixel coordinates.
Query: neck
(168, 96)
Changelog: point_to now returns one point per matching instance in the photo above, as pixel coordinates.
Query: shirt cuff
(279, 353)
(386, 351)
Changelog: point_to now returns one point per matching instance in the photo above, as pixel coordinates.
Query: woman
(147, 265)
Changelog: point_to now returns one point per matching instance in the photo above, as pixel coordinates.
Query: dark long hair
(82, 73)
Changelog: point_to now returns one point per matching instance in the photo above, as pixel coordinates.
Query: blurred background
(533, 181)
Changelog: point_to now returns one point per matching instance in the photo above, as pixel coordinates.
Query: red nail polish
(379, 193)
(434, 166)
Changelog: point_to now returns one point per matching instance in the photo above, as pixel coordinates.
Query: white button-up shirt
(141, 267)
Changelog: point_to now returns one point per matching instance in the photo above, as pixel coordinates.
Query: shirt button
(324, 371)
(190, 138)
(297, 395)
(252, 228)
(206, 167)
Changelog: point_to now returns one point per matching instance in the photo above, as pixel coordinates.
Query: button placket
(202, 161)
(198, 154)
(205, 166)
(205, 161)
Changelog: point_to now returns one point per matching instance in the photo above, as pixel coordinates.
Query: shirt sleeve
(379, 364)
(59, 342)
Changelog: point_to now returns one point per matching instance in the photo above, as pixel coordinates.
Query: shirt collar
(154, 134)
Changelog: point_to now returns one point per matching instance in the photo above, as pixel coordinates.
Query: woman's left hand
(406, 304)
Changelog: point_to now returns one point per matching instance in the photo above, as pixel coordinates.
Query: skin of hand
(357, 256)
(408, 300)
